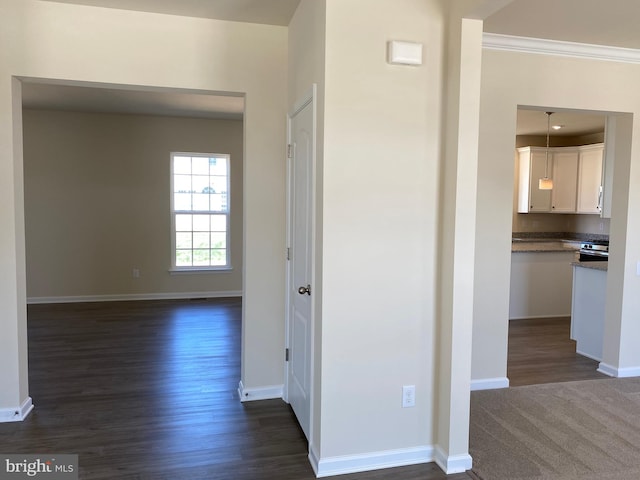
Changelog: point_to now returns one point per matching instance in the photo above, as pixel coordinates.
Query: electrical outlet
(408, 396)
(136, 273)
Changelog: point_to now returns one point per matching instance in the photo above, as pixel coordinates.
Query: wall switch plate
(408, 396)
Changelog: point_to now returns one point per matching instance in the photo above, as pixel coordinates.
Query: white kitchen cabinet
(531, 167)
(565, 180)
(577, 179)
(589, 199)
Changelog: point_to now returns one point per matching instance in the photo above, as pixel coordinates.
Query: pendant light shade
(546, 183)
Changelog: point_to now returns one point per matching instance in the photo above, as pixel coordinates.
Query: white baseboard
(529, 317)
(325, 467)
(489, 383)
(453, 463)
(588, 355)
(17, 414)
(618, 372)
(259, 393)
(135, 296)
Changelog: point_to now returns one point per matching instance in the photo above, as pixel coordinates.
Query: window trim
(186, 269)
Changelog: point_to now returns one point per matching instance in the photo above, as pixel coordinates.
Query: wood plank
(540, 351)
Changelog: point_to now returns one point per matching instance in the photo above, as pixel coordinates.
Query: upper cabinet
(576, 174)
(532, 166)
(590, 174)
(565, 180)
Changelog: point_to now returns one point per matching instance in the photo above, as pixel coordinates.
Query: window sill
(198, 270)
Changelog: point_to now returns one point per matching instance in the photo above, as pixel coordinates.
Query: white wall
(77, 43)
(97, 203)
(566, 83)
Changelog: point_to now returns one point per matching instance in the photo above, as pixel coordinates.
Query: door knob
(303, 290)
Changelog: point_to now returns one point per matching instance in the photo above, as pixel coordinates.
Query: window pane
(219, 240)
(200, 166)
(201, 240)
(182, 183)
(201, 202)
(182, 165)
(182, 201)
(183, 258)
(218, 223)
(219, 184)
(219, 203)
(200, 184)
(218, 257)
(201, 257)
(183, 223)
(183, 240)
(218, 166)
(201, 223)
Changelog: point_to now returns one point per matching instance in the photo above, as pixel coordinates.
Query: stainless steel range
(594, 251)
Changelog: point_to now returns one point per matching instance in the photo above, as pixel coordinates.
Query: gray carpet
(587, 430)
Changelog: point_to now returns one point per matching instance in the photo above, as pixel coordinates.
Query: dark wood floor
(540, 351)
(147, 390)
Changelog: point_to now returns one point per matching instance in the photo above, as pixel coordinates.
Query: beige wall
(379, 310)
(567, 83)
(97, 204)
(381, 184)
(71, 43)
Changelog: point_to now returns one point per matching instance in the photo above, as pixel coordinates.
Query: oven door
(593, 256)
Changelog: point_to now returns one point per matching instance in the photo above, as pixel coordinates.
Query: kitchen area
(561, 219)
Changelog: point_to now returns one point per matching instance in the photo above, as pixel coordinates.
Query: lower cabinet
(540, 284)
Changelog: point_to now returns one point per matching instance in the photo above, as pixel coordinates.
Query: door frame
(309, 97)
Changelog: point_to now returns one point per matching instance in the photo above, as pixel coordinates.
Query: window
(200, 211)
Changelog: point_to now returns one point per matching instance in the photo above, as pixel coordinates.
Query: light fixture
(546, 183)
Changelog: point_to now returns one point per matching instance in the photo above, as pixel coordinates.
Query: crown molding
(496, 41)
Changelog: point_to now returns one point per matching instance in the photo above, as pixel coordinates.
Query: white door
(300, 251)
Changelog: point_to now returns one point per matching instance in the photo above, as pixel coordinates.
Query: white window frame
(177, 269)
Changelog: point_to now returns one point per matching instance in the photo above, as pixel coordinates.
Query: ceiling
(599, 22)
(534, 122)
(122, 100)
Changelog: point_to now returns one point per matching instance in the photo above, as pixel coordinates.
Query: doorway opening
(97, 192)
(548, 229)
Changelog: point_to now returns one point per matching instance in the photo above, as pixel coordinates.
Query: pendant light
(546, 183)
